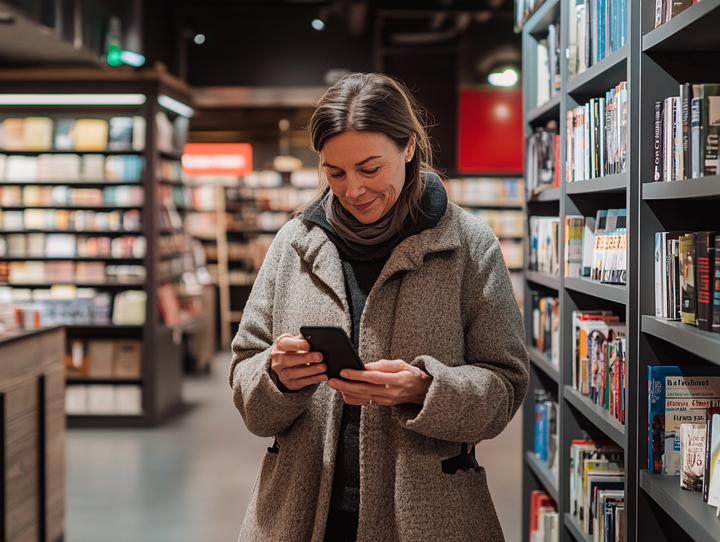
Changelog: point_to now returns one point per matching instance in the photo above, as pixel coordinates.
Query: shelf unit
(654, 62)
(161, 364)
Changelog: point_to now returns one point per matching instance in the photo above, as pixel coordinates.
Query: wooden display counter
(32, 391)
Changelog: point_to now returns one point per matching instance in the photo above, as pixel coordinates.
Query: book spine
(705, 250)
(569, 158)
(711, 127)
(716, 289)
(659, 275)
(695, 146)
(657, 166)
(685, 91)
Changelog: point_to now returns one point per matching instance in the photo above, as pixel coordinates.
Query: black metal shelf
(543, 473)
(602, 76)
(488, 205)
(576, 530)
(72, 207)
(611, 183)
(686, 508)
(616, 293)
(705, 344)
(542, 362)
(599, 417)
(103, 380)
(544, 15)
(549, 194)
(543, 279)
(173, 155)
(550, 110)
(693, 30)
(703, 187)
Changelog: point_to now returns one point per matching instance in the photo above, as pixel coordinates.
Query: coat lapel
(315, 249)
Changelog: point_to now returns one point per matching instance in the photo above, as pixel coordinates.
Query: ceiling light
(317, 24)
(506, 78)
(199, 39)
(72, 99)
(176, 107)
(132, 59)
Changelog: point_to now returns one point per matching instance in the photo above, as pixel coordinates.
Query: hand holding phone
(292, 363)
(337, 350)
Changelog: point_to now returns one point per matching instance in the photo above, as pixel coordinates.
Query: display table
(32, 391)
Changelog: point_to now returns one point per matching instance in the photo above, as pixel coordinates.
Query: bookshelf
(654, 62)
(101, 232)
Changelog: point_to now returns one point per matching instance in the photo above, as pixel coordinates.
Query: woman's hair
(374, 102)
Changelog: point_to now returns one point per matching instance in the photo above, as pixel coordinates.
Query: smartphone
(335, 346)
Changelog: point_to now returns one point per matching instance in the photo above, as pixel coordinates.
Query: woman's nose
(354, 186)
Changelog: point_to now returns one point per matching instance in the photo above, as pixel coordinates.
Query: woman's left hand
(384, 382)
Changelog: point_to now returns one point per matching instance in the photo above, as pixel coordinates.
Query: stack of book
(59, 196)
(62, 134)
(596, 136)
(546, 326)
(686, 133)
(599, 359)
(595, 247)
(597, 488)
(687, 278)
(64, 220)
(544, 525)
(548, 65)
(597, 29)
(542, 160)
(68, 272)
(103, 399)
(62, 304)
(665, 10)
(684, 427)
(71, 167)
(470, 191)
(543, 253)
(546, 429)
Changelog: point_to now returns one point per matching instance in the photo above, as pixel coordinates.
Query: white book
(2, 166)
(138, 137)
(128, 400)
(92, 167)
(21, 168)
(543, 74)
(660, 274)
(76, 399)
(101, 399)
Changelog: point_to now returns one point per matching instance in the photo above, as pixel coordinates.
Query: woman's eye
(370, 171)
(336, 175)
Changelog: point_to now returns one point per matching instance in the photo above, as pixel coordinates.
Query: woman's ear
(410, 149)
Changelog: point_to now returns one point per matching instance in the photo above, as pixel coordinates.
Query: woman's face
(366, 172)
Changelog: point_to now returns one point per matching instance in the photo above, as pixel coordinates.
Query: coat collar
(313, 246)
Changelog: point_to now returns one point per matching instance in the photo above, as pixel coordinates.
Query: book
(695, 129)
(685, 99)
(710, 127)
(704, 268)
(12, 129)
(91, 134)
(100, 356)
(687, 279)
(37, 133)
(120, 134)
(169, 305)
(65, 134)
(662, 453)
(692, 452)
(129, 308)
(574, 229)
(716, 288)
(657, 143)
(712, 451)
(127, 358)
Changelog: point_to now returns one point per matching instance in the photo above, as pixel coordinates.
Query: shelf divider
(601, 418)
(549, 281)
(686, 508)
(544, 474)
(705, 344)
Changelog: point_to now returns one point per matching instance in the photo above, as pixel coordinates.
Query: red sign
(490, 131)
(217, 159)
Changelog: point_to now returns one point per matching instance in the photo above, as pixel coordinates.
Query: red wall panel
(490, 131)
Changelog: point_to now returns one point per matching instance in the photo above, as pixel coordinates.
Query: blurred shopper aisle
(190, 480)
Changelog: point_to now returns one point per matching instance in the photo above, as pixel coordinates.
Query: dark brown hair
(375, 102)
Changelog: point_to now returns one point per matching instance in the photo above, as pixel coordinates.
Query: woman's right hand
(294, 365)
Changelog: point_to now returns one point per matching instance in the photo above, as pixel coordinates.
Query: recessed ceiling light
(506, 78)
(317, 24)
(199, 39)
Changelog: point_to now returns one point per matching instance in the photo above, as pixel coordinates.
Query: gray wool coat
(444, 303)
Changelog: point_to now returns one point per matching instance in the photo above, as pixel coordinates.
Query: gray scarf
(363, 236)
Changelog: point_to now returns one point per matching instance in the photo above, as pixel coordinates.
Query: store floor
(190, 479)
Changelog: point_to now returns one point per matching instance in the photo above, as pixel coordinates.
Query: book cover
(687, 279)
(120, 134)
(705, 261)
(595, 484)
(712, 450)
(710, 127)
(91, 134)
(678, 6)
(657, 143)
(127, 358)
(692, 452)
(685, 98)
(100, 356)
(13, 134)
(169, 305)
(37, 133)
(65, 134)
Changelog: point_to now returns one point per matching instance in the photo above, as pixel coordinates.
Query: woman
(421, 287)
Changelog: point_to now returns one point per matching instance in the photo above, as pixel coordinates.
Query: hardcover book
(692, 451)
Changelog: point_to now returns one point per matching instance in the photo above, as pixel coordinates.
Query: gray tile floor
(190, 480)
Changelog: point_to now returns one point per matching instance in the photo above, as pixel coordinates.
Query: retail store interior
(149, 152)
